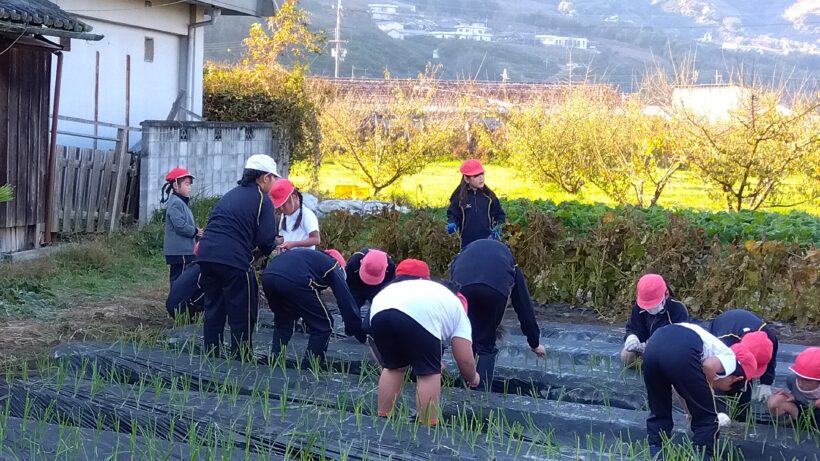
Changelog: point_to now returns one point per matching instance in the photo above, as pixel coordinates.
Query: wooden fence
(90, 188)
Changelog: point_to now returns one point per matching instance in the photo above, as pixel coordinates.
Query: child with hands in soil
(298, 224)
(180, 227)
(409, 321)
(741, 326)
(474, 210)
(293, 282)
(694, 362)
(803, 393)
(654, 307)
(488, 276)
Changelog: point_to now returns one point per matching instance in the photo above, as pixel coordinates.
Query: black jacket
(318, 270)
(475, 216)
(361, 291)
(643, 324)
(241, 221)
(730, 327)
(491, 263)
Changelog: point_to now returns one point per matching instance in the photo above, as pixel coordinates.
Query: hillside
(771, 39)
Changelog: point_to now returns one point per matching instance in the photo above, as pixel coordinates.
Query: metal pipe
(190, 72)
(52, 151)
(96, 99)
(127, 98)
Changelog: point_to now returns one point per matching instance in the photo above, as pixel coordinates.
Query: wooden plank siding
(25, 79)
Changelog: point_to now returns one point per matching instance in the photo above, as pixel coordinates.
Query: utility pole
(337, 41)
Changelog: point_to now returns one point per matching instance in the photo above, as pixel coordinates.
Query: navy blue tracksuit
(186, 296)
(362, 292)
(643, 324)
(292, 282)
(241, 221)
(730, 327)
(475, 215)
(674, 357)
(488, 276)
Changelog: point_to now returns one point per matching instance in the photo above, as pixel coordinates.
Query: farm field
(163, 400)
(433, 186)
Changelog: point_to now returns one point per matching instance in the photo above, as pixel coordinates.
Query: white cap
(262, 162)
(728, 360)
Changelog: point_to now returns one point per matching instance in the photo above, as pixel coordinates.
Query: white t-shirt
(430, 304)
(713, 347)
(310, 223)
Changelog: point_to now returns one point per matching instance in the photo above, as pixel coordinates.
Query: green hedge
(594, 258)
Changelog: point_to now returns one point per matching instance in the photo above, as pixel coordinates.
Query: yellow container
(343, 190)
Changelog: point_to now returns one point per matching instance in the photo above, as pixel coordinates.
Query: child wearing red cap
(368, 271)
(409, 322)
(803, 394)
(298, 225)
(654, 307)
(180, 227)
(694, 362)
(474, 210)
(488, 275)
(741, 326)
(409, 269)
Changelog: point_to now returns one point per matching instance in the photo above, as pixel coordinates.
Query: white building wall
(154, 86)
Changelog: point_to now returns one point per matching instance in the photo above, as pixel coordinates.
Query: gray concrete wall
(214, 152)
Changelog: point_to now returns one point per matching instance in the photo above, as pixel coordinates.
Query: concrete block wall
(214, 152)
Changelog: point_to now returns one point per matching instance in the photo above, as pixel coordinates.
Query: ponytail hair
(167, 189)
(298, 218)
(249, 176)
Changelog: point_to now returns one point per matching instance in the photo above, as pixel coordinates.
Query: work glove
(723, 419)
(451, 227)
(495, 232)
(761, 392)
(633, 344)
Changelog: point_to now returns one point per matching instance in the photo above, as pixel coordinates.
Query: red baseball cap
(463, 300)
(414, 267)
(807, 364)
(747, 361)
(471, 167)
(761, 347)
(280, 191)
(337, 256)
(374, 267)
(177, 173)
(651, 291)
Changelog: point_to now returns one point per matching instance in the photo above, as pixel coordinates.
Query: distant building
(383, 11)
(566, 42)
(714, 102)
(474, 31)
(387, 26)
(466, 31)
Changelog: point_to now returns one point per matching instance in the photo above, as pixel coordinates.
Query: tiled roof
(34, 14)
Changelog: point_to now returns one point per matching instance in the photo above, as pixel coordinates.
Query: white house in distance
(466, 31)
(152, 50)
(383, 11)
(566, 42)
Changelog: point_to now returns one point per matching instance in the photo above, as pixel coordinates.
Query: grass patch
(433, 186)
(88, 268)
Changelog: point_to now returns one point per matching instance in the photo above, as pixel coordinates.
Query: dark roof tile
(40, 13)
